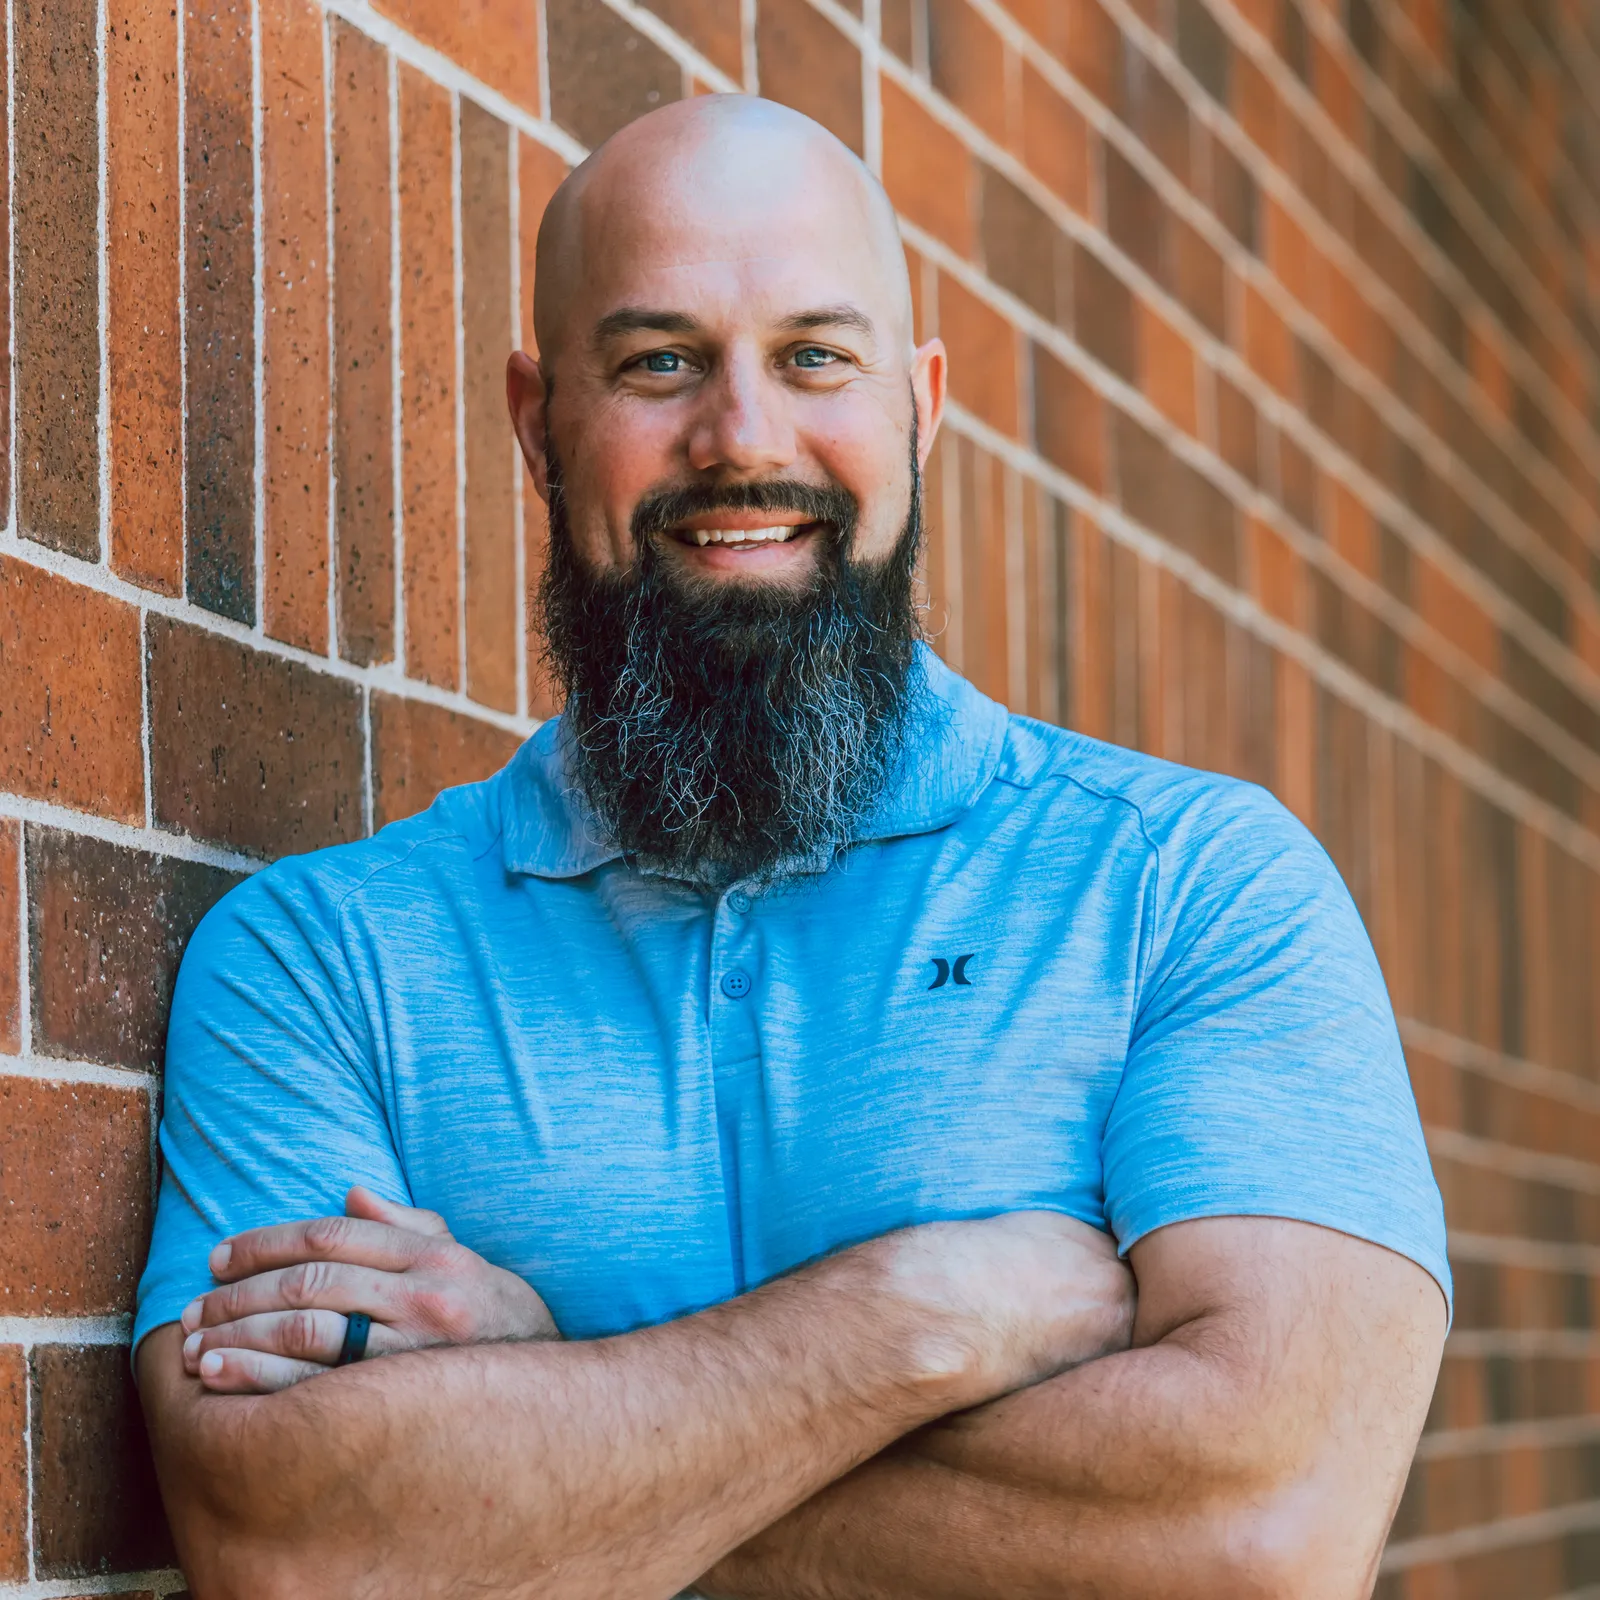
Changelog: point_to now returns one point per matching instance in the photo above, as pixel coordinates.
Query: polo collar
(952, 750)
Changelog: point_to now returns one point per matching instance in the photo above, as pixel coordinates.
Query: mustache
(663, 509)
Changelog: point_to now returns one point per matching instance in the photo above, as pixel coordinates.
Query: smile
(778, 533)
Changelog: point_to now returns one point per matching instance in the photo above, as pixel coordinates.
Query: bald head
(717, 178)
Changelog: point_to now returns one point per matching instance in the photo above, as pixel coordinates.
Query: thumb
(362, 1202)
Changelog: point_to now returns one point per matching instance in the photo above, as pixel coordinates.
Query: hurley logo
(946, 972)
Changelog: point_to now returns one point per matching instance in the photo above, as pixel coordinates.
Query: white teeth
(778, 535)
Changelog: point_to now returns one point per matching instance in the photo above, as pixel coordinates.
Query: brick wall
(1276, 373)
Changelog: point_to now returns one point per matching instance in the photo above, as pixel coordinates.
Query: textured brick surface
(603, 73)
(13, 1463)
(10, 937)
(294, 232)
(144, 341)
(107, 927)
(490, 325)
(95, 1502)
(69, 694)
(219, 218)
(805, 62)
(364, 386)
(256, 752)
(495, 41)
(75, 1216)
(57, 274)
(419, 749)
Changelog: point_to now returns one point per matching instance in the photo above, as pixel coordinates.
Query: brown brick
(1102, 314)
(363, 378)
(1173, 499)
(983, 356)
(1055, 140)
(602, 73)
(107, 927)
(805, 62)
(1238, 433)
(249, 749)
(1276, 573)
(1136, 216)
(428, 383)
(985, 630)
(1234, 197)
(144, 348)
(498, 43)
(1204, 48)
(1268, 348)
(493, 461)
(13, 1463)
(219, 292)
(1199, 276)
(929, 173)
(1156, 112)
(419, 749)
(1257, 108)
(96, 1507)
(1167, 370)
(57, 287)
(967, 64)
(1298, 480)
(1090, 44)
(1068, 421)
(711, 26)
(10, 938)
(69, 694)
(294, 237)
(75, 1220)
(1023, 250)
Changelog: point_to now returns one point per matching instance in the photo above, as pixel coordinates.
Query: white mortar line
(259, 287)
(1481, 1538)
(679, 48)
(165, 1582)
(30, 1331)
(50, 1069)
(1548, 1433)
(1526, 1344)
(459, 306)
(748, 58)
(1517, 1072)
(1513, 1161)
(151, 841)
(146, 753)
(1517, 1250)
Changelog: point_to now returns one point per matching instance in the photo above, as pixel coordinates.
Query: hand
(280, 1316)
(1013, 1299)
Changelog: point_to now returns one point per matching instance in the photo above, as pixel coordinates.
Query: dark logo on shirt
(947, 972)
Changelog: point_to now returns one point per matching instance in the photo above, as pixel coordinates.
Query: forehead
(734, 239)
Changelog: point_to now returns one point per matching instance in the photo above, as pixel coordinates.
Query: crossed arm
(922, 1418)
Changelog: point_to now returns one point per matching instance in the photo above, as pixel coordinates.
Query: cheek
(618, 456)
(876, 468)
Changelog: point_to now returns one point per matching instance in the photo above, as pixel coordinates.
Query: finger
(252, 1372)
(300, 1335)
(355, 1240)
(310, 1286)
(362, 1202)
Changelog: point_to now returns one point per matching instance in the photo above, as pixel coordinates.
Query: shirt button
(740, 901)
(736, 983)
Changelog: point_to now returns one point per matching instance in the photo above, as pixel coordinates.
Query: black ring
(357, 1327)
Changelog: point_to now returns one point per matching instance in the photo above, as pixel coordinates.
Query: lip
(767, 555)
(728, 521)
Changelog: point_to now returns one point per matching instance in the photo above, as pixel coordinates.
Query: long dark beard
(723, 731)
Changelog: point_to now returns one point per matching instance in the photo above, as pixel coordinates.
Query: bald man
(799, 1131)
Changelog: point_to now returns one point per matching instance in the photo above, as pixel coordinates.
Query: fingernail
(210, 1363)
(220, 1257)
(191, 1315)
(190, 1345)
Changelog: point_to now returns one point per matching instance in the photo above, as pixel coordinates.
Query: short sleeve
(272, 1103)
(1264, 1075)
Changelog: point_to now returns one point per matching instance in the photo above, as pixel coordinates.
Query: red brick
(1295, 784)
(1055, 140)
(540, 172)
(983, 356)
(1276, 575)
(13, 1463)
(363, 376)
(1089, 618)
(10, 938)
(1268, 348)
(144, 347)
(69, 694)
(1154, 108)
(419, 749)
(1449, 611)
(1199, 276)
(498, 43)
(1257, 108)
(1102, 314)
(491, 325)
(1351, 529)
(711, 26)
(1173, 498)
(219, 292)
(985, 622)
(603, 73)
(249, 749)
(294, 237)
(428, 383)
(805, 62)
(96, 1507)
(967, 64)
(928, 172)
(75, 1221)
(57, 285)
(1090, 44)
(1068, 421)
(1024, 252)
(107, 927)
(1166, 370)
(1238, 429)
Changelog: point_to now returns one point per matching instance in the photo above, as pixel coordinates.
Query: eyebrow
(646, 319)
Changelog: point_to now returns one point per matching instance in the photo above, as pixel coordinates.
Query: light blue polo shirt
(1052, 973)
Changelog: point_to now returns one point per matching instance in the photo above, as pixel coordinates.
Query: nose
(743, 423)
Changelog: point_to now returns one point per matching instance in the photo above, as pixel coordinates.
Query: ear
(528, 397)
(929, 366)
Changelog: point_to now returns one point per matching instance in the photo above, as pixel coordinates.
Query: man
(773, 1043)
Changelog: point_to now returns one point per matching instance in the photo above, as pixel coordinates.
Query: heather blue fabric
(1157, 1003)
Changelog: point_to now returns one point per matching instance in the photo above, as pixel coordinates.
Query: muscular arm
(1253, 1443)
(619, 1467)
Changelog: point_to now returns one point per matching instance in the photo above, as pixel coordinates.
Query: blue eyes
(669, 363)
(662, 361)
(812, 358)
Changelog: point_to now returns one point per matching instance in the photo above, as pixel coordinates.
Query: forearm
(620, 1467)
